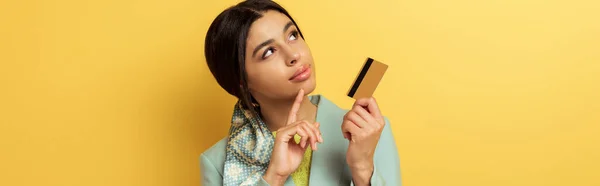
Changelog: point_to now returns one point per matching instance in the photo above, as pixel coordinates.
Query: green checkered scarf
(249, 148)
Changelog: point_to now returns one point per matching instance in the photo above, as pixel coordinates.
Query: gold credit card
(367, 80)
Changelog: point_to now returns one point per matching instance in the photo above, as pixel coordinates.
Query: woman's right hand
(287, 154)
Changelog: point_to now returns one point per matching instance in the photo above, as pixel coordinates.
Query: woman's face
(278, 61)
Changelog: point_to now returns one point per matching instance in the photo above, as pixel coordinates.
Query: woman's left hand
(362, 126)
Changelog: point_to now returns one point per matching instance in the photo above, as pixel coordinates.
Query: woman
(279, 135)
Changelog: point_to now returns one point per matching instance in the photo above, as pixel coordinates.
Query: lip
(301, 74)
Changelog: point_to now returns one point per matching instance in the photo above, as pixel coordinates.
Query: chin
(309, 86)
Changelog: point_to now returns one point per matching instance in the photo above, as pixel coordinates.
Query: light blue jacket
(328, 166)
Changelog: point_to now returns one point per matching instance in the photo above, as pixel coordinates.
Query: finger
(318, 127)
(364, 114)
(350, 129)
(295, 107)
(316, 131)
(287, 133)
(370, 104)
(283, 134)
(304, 135)
(356, 119)
(310, 134)
(315, 128)
(364, 102)
(374, 108)
(312, 139)
(347, 135)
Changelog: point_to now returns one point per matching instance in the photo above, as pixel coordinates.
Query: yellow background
(117, 92)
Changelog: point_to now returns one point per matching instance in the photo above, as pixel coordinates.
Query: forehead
(269, 26)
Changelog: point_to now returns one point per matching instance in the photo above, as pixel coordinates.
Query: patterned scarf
(249, 148)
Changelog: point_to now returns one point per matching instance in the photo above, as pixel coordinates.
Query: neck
(275, 113)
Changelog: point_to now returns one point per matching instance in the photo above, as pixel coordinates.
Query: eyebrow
(288, 25)
(267, 42)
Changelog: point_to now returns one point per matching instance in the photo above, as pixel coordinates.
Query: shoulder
(215, 155)
(328, 108)
(387, 135)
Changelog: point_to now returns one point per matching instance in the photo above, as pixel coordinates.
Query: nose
(293, 56)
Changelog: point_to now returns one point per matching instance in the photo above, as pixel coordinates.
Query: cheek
(305, 50)
(267, 76)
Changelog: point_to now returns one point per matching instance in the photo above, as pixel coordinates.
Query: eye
(294, 35)
(268, 53)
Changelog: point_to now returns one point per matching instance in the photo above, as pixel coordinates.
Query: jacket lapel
(328, 162)
(327, 165)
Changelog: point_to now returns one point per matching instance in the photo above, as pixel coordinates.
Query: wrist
(362, 165)
(273, 178)
(361, 174)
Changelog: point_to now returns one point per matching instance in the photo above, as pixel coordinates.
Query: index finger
(370, 104)
(295, 107)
